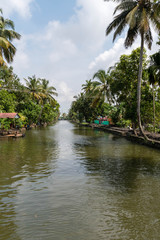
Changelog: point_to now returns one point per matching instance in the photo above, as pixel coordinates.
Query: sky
(64, 42)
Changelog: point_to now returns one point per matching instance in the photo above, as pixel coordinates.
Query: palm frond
(116, 22)
(119, 29)
(148, 38)
(130, 18)
(8, 24)
(143, 24)
(125, 5)
(131, 36)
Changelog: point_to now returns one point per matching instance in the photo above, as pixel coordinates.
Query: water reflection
(118, 161)
(24, 164)
(71, 182)
(127, 178)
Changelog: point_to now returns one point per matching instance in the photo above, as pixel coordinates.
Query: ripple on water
(67, 182)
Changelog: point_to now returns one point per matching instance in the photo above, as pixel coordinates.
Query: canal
(67, 182)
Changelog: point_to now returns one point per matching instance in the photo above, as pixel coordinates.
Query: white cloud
(63, 51)
(110, 57)
(22, 61)
(65, 92)
(65, 96)
(22, 7)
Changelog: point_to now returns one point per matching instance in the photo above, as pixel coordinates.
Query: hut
(10, 127)
(9, 115)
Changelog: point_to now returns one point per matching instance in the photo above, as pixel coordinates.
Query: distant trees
(34, 102)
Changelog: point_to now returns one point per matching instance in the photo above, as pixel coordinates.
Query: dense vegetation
(35, 100)
(114, 93)
(127, 85)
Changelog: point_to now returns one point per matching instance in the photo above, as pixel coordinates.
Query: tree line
(137, 16)
(114, 93)
(34, 100)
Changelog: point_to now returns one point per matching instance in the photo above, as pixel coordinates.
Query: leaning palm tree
(138, 15)
(7, 35)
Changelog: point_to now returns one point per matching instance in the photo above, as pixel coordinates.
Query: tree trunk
(139, 88)
(154, 110)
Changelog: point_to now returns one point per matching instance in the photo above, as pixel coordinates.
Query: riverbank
(154, 138)
(12, 133)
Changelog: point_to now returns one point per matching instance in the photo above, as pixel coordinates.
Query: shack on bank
(9, 115)
(10, 129)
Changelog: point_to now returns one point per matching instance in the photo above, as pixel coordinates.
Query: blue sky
(64, 41)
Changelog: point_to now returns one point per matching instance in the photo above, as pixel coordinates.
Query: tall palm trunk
(139, 87)
(154, 110)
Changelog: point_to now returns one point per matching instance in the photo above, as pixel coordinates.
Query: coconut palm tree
(47, 92)
(138, 15)
(7, 35)
(101, 87)
(88, 86)
(34, 88)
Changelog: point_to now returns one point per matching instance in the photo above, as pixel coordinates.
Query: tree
(34, 88)
(88, 86)
(101, 87)
(7, 101)
(123, 84)
(47, 91)
(7, 35)
(49, 114)
(9, 80)
(31, 111)
(154, 78)
(138, 15)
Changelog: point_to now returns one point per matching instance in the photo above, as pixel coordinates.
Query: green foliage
(31, 111)
(7, 35)
(82, 109)
(35, 101)
(5, 123)
(48, 114)
(124, 85)
(121, 84)
(7, 101)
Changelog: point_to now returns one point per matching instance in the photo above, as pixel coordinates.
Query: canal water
(67, 182)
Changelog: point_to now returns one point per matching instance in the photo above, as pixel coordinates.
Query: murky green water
(72, 183)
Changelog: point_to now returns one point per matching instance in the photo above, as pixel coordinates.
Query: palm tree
(34, 88)
(101, 87)
(88, 86)
(7, 35)
(138, 14)
(47, 92)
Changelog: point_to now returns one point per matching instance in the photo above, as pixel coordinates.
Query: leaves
(7, 35)
(137, 15)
